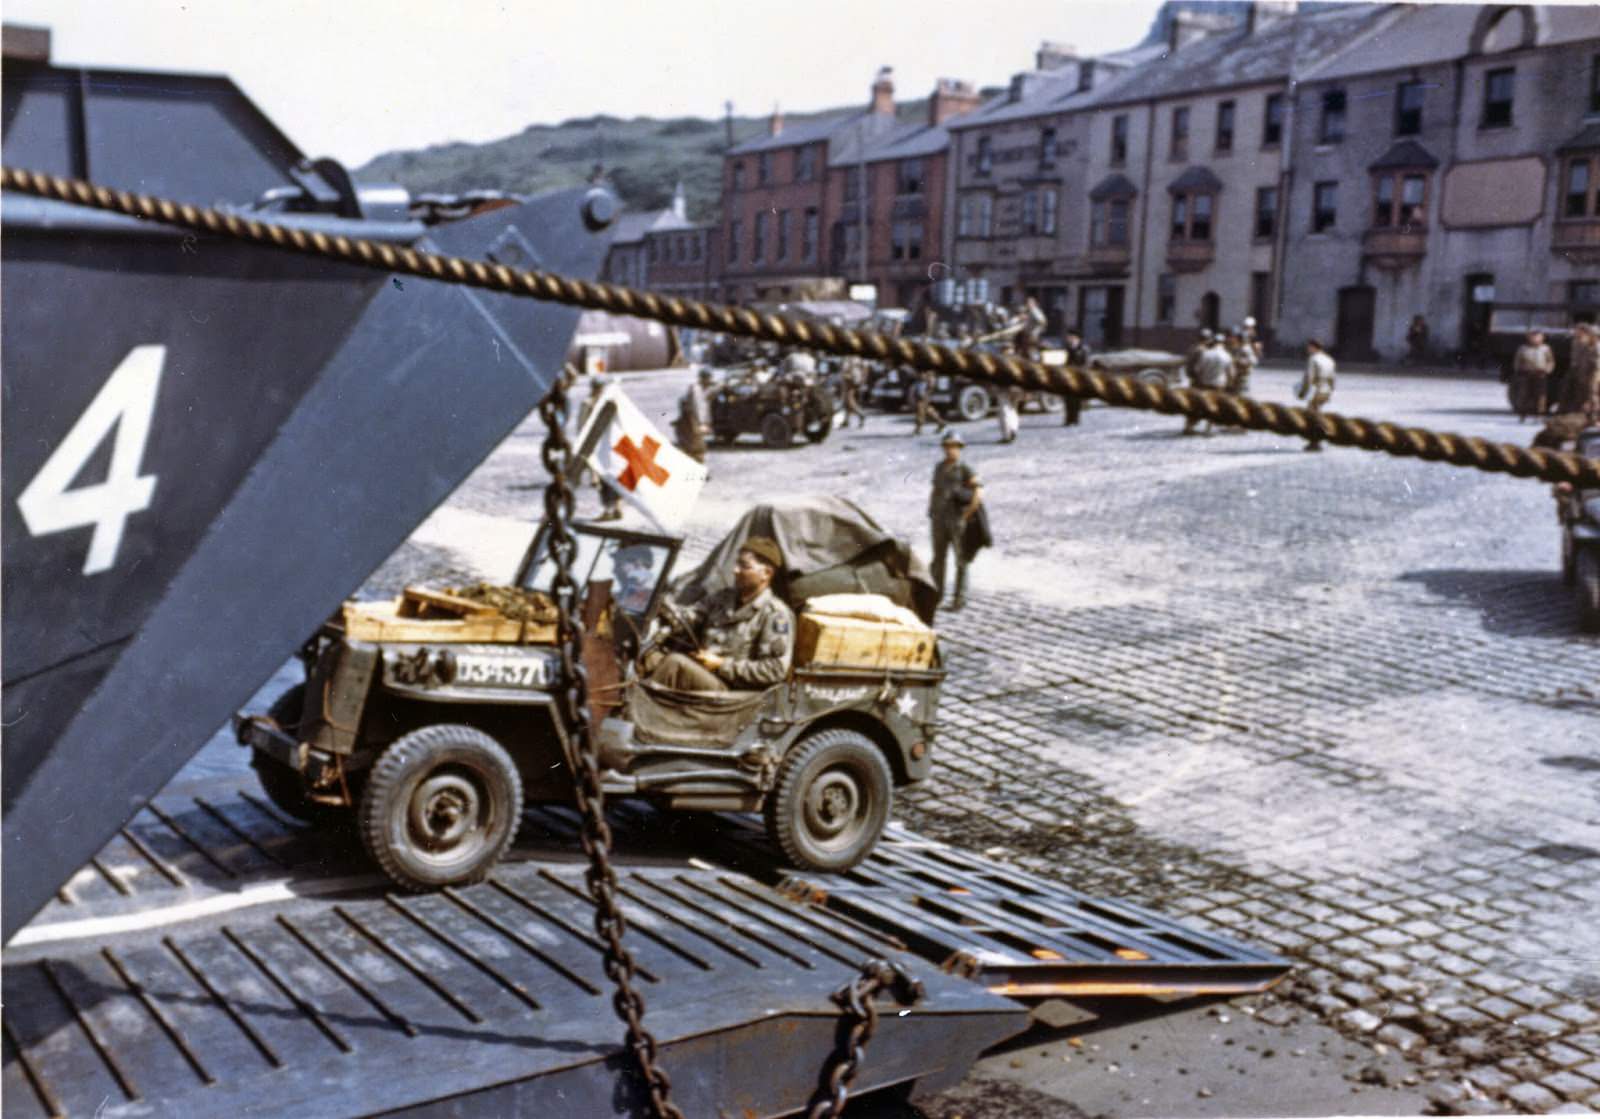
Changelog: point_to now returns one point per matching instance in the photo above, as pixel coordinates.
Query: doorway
(1477, 295)
(1100, 315)
(1353, 333)
(1211, 311)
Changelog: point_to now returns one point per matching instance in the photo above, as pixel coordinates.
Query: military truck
(430, 719)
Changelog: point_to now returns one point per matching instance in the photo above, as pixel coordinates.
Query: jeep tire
(776, 430)
(440, 807)
(972, 402)
(831, 800)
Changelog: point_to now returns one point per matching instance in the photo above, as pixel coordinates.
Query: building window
(985, 156)
(905, 240)
(1047, 147)
(764, 168)
(1225, 127)
(1272, 121)
(697, 247)
(1180, 133)
(852, 183)
(910, 178)
(975, 216)
(1585, 293)
(738, 174)
(1324, 206)
(805, 165)
(1332, 127)
(1108, 224)
(783, 234)
(1030, 212)
(1594, 84)
(758, 239)
(1047, 212)
(808, 235)
(733, 242)
(1498, 88)
(1266, 211)
(1191, 216)
(1579, 194)
(1119, 140)
(1166, 297)
(1400, 201)
(1408, 109)
(653, 248)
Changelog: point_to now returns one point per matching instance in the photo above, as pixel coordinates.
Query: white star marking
(907, 705)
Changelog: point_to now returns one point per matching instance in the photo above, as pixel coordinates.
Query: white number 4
(126, 401)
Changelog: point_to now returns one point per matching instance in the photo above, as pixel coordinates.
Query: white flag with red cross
(628, 451)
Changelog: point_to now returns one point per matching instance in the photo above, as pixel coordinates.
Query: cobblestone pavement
(1336, 704)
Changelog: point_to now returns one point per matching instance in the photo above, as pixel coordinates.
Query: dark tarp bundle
(662, 715)
(830, 546)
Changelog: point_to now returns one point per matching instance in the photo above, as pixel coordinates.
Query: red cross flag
(627, 450)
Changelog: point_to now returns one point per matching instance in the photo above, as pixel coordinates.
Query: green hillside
(643, 157)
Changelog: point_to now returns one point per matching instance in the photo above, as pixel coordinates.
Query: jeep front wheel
(831, 800)
(440, 807)
(973, 403)
(776, 431)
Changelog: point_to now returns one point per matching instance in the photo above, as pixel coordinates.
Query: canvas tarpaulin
(830, 546)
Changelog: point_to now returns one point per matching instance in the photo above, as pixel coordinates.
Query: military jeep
(430, 720)
(777, 406)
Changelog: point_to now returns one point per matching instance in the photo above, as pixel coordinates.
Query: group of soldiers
(1534, 363)
(1222, 361)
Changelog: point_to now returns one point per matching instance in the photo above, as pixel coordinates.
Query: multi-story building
(627, 260)
(1138, 195)
(1446, 159)
(682, 261)
(846, 198)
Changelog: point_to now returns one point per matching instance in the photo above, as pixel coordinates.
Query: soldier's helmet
(799, 362)
(1205, 334)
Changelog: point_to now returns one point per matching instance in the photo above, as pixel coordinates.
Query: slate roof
(1053, 91)
(1113, 185)
(801, 132)
(1404, 153)
(633, 226)
(1198, 179)
(1430, 33)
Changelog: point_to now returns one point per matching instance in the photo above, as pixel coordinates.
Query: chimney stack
(1265, 13)
(775, 121)
(1053, 56)
(951, 98)
(23, 43)
(1185, 27)
(883, 92)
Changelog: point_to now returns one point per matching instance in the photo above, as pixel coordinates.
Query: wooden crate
(388, 621)
(824, 639)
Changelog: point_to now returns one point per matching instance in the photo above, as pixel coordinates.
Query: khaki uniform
(922, 401)
(694, 420)
(1532, 365)
(1211, 370)
(952, 493)
(851, 380)
(1244, 363)
(1583, 378)
(755, 640)
(1315, 388)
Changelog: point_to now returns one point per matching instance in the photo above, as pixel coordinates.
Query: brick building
(627, 260)
(1448, 158)
(855, 196)
(682, 260)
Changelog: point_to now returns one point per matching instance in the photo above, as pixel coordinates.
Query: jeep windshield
(636, 564)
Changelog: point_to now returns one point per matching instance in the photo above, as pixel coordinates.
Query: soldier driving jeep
(743, 635)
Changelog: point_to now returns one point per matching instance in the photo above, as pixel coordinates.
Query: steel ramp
(1016, 933)
(216, 960)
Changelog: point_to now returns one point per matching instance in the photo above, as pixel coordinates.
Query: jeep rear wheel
(776, 430)
(831, 801)
(440, 807)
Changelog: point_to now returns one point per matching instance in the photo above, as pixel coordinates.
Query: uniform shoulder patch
(780, 625)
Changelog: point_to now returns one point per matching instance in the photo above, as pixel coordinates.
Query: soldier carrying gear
(957, 494)
(744, 633)
(694, 417)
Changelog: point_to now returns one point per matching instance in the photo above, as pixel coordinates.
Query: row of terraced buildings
(1332, 173)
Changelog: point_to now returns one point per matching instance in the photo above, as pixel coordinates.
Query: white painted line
(187, 911)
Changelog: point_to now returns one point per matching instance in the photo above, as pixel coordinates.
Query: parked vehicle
(431, 719)
(1155, 367)
(756, 399)
(1579, 513)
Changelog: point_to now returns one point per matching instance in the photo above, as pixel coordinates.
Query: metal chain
(572, 703)
(856, 999)
(1123, 391)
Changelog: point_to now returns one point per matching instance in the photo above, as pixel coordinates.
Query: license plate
(501, 672)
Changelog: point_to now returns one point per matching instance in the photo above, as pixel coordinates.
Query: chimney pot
(883, 91)
(951, 98)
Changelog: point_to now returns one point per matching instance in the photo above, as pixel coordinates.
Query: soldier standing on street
(957, 493)
(1245, 358)
(1582, 388)
(1531, 367)
(922, 401)
(1417, 341)
(694, 417)
(852, 378)
(1316, 386)
(1010, 412)
(610, 499)
(1212, 368)
(744, 633)
(1079, 354)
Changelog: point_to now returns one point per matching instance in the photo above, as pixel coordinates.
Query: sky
(354, 78)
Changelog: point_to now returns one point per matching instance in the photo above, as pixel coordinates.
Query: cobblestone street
(1336, 704)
